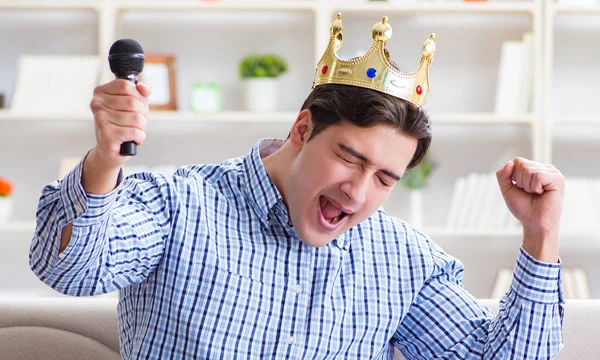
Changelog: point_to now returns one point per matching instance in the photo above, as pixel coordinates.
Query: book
(510, 74)
(55, 84)
(514, 88)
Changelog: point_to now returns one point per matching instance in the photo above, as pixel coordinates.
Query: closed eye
(382, 182)
(346, 160)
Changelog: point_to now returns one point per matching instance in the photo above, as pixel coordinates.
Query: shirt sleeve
(118, 238)
(445, 321)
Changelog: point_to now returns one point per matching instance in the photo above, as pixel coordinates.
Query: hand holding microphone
(120, 107)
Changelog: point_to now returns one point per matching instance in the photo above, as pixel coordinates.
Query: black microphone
(126, 60)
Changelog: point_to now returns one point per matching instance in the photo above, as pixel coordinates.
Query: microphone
(126, 60)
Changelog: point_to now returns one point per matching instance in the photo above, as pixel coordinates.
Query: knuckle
(141, 138)
(132, 133)
(95, 104)
(123, 85)
(131, 103)
(137, 121)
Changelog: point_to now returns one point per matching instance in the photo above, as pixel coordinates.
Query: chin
(316, 239)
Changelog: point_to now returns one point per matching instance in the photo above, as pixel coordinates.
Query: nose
(357, 189)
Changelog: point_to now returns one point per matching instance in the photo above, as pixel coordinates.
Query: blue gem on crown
(371, 73)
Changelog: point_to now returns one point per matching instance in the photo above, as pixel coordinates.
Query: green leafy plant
(417, 177)
(262, 66)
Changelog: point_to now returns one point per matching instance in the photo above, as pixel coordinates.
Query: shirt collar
(259, 188)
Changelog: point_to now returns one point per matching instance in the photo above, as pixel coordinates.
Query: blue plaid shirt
(208, 267)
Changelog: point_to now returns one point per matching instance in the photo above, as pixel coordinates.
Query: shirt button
(298, 289)
(340, 243)
(78, 208)
(291, 340)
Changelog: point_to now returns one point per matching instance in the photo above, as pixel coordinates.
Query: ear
(301, 130)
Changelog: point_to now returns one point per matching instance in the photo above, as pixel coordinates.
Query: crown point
(336, 27)
(382, 30)
(429, 46)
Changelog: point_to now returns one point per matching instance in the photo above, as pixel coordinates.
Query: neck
(277, 166)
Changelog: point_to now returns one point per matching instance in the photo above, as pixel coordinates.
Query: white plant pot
(6, 205)
(416, 208)
(261, 94)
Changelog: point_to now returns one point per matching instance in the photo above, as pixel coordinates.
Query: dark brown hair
(331, 103)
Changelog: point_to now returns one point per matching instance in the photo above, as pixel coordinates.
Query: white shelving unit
(464, 74)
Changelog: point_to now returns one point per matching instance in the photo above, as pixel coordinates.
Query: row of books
(575, 283)
(514, 87)
(477, 203)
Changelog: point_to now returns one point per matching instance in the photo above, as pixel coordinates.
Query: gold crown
(373, 70)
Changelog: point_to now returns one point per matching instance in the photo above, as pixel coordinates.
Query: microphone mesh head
(124, 57)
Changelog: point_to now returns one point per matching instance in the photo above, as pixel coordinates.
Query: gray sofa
(86, 328)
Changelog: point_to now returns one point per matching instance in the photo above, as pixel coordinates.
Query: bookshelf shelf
(18, 226)
(573, 9)
(577, 119)
(270, 117)
(468, 232)
(6, 5)
(67, 117)
(496, 233)
(537, 130)
(217, 6)
(440, 8)
(481, 119)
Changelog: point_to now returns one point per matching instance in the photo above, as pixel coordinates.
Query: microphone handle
(129, 148)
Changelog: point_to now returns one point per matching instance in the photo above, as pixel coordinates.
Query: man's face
(342, 176)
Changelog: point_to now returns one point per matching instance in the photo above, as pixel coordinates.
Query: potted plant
(260, 74)
(6, 189)
(415, 180)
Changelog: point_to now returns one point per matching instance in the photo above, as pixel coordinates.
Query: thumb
(504, 176)
(144, 89)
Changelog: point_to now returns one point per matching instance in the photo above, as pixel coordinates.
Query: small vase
(260, 94)
(5, 209)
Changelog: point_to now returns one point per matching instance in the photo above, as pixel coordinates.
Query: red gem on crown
(419, 90)
(324, 69)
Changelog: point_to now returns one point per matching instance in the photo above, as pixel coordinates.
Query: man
(285, 252)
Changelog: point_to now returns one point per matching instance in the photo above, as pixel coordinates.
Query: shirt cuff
(80, 208)
(537, 281)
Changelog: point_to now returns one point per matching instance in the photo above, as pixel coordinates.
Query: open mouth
(330, 215)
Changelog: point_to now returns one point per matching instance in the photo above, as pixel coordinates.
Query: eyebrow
(365, 160)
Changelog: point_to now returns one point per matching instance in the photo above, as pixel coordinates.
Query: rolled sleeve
(80, 208)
